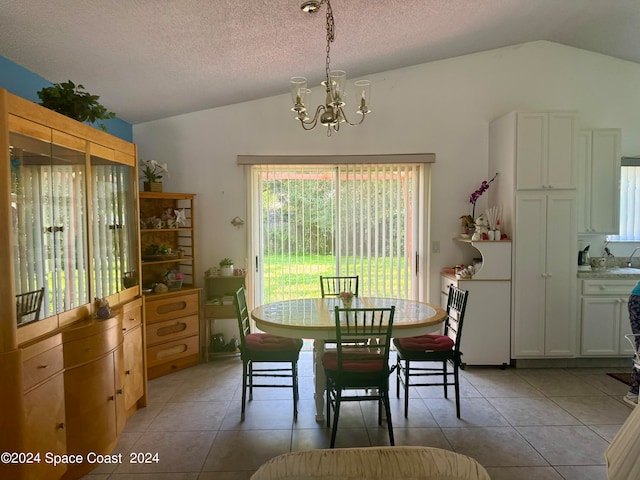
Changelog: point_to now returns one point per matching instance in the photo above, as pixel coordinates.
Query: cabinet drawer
(220, 311)
(446, 282)
(170, 351)
(621, 287)
(89, 348)
(131, 315)
(167, 308)
(172, 329)
(42, 366)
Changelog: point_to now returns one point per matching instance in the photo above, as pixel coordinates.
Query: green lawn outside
(287, 277)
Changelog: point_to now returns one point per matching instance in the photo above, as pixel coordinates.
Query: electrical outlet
(435, 246)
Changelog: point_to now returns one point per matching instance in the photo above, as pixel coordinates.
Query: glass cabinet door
(48, 201)
(114, 226)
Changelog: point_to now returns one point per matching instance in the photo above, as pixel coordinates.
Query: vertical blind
(353, 219)
(629, 201)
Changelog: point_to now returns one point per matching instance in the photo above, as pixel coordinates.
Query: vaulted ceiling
(150, 59)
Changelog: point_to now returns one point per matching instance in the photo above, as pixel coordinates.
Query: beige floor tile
(503, 386)
(532, 411)
(474, 412)
(235, 451)
(177, 452)
(560, 384)
(600, 410)
(260, 415)
(566, 445)
(494, 446)
(189, 416)
(583, 473)
(523, 473)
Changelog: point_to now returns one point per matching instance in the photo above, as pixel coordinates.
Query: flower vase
(347, 303)
(152, 186)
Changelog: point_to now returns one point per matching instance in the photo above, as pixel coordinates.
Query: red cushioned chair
(356, 366)
(443, 348)
(265, 348)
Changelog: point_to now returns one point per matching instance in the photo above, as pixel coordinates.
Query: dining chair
(334, 286)
(443, 348)
(27, 304)
(353, 367)
(264, 348)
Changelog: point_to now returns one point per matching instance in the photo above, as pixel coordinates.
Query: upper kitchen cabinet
(599, 181)
(71, 222)
(545, 150)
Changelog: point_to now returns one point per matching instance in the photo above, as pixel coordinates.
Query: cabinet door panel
(605, 181)
(90, 406)
(531, 150)
(560, 314)
(561, 153)
(45, 426)
(529, 268)
(133, 367)
(600, 326)
(624, 346)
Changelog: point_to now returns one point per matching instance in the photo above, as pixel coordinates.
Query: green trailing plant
(69, 99)
(226, 262)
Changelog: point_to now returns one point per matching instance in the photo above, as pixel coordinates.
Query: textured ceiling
(150, 59)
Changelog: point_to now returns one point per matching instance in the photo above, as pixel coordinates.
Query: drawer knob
(111, 398)
(60, 426)
(124, 329)
(119, 391)
(43, 366)
(132, 319)
(128, 372)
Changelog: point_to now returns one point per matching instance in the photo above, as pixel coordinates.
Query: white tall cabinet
(535, 155)
(599, 181)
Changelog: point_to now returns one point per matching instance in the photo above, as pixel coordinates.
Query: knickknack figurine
(103, 309)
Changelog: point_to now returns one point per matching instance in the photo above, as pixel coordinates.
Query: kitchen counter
(615, 272)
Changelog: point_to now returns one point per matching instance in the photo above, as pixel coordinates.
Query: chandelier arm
(344, 115)
(308, 125)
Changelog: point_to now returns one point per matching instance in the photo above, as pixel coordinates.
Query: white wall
(441, 107)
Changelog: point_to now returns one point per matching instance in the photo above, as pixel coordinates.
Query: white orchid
(153, 171)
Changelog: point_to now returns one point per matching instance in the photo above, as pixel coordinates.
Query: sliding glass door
(365, 220)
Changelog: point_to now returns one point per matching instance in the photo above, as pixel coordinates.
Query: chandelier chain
(331, 30)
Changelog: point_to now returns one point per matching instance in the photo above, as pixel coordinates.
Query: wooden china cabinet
(69, 231)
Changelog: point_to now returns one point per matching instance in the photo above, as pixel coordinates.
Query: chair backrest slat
(334, 286)
(29, 303)
(242, 312)
(456, 307)
(373, 323)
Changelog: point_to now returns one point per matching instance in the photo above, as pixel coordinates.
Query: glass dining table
(313, 318)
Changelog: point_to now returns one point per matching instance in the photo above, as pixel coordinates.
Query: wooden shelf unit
(215, 288)
(172, 317)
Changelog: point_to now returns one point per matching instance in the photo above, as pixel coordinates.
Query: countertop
(615, 272)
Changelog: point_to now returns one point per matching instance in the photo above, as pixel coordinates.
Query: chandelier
(332, 113)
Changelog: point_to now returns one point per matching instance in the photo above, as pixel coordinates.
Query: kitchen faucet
(632, 253)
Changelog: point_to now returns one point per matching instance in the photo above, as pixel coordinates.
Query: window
(351, 219)
(629, 201)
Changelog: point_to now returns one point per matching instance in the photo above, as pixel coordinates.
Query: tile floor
(533, 424)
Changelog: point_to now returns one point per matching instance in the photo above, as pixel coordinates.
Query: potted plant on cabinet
(69, 99)
(226, 267)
